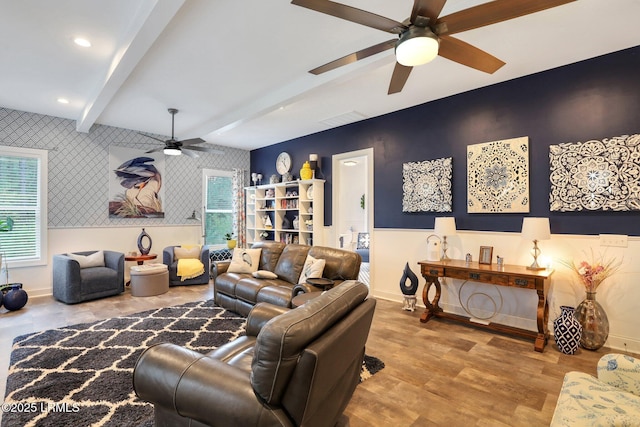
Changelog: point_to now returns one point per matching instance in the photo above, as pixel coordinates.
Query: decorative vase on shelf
(306, 172)
(144, 250)
(296, 222)
(594, 322)
(267, 222)
(567, 331)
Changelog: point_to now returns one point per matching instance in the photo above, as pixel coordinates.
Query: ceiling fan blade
(192, 141)
(353, 14)
(205, 150)
(356, 56)
(154, 150)
(189, 153)
(491, 13)
(152, 137)
(399, 78)
(463, 53)
(428, 8)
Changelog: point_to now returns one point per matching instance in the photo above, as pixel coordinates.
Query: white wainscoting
(619, 295)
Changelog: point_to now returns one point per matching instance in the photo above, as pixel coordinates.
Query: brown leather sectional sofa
(239, 292)
(292, 368)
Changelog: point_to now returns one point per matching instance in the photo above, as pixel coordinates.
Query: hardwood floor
(436, 374)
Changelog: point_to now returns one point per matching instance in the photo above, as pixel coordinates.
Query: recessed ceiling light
(63, 100)
(82, 42)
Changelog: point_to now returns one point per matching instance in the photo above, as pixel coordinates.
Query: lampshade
(417, 46)
(535, 229)
(171, 151)
(445, 226)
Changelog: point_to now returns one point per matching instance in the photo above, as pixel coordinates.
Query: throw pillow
(87, 261)
(186, 252)
(313, 268)
(264, 274)
(244, 260)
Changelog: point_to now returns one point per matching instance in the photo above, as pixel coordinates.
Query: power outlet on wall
(618, 240)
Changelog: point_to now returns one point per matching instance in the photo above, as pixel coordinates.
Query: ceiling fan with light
(424, 35)
(173, 147)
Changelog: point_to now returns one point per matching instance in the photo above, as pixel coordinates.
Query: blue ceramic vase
(15, 298)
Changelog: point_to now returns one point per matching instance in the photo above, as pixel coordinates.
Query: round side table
(140, 259)
(321, 282)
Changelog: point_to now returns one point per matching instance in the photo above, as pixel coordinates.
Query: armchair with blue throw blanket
(83, 276)
(187, 264)
(612, 399)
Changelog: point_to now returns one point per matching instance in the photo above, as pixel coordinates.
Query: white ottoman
(149, 279)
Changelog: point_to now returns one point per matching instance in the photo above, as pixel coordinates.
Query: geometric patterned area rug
(81, 375)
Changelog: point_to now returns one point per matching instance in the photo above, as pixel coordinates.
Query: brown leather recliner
(295, 367)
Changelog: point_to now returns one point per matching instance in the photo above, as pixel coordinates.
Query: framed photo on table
(486, 254)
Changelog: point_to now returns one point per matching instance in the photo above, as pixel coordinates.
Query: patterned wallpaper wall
(79, 169)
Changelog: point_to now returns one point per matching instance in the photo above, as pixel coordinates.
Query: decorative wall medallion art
(595, 175)
(426, 186)
(498, 176)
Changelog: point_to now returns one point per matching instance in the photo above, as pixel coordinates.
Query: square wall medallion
(498, 176)
(426, 186)
(595, 175)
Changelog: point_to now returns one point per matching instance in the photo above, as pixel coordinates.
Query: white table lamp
(535, 229)
(445, 226)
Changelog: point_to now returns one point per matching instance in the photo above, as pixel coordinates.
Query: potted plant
(11, 294)
(231, 242)
(5, 225)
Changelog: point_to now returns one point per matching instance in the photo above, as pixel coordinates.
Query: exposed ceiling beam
(283, 96)
(150, 20)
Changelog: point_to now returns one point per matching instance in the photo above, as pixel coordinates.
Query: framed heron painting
(135, 183)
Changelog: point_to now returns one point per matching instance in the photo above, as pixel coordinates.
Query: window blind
(219, 209)
(20, 200)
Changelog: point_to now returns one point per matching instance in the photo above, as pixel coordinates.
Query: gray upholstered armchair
(83, 276)
(171, 260)
(295, 367)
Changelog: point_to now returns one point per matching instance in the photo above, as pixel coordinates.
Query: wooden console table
(507, 275)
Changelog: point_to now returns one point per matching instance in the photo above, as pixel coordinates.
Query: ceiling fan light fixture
(172, 150)
(417, 46)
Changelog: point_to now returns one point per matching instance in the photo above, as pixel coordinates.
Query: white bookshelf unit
(272, 209)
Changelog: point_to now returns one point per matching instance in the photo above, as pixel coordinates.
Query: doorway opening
(352, 201)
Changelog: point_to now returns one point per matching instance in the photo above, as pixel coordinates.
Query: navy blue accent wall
(594, 99)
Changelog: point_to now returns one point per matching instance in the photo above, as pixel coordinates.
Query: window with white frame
(23, 198)
(218, 203)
